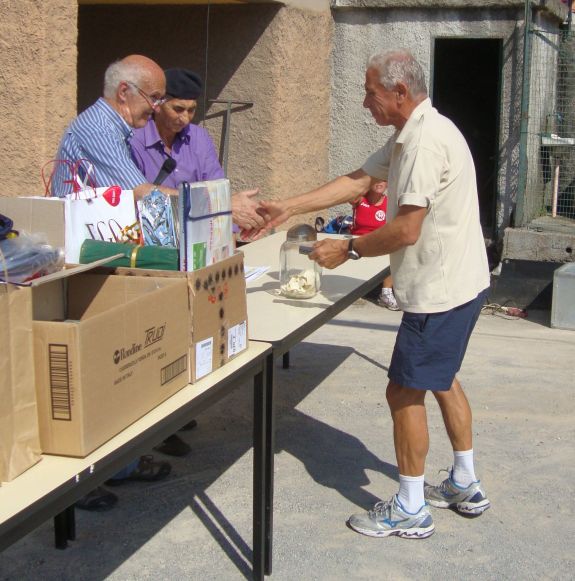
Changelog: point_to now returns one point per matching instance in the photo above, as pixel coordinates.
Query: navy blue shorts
(430, 347)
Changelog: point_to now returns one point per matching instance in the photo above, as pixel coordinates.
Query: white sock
(386, 291)
(463, 471)
(411, 493)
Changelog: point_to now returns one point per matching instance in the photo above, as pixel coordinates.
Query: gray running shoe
(470, 501)
(390, 519)
(387, 299)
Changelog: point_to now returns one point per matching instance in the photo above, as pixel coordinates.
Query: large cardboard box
(107, 350)
(19, 437)
(218, 307)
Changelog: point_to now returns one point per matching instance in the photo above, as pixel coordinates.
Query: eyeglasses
(153, 102)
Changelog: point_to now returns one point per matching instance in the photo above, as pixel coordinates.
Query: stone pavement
(335, 456)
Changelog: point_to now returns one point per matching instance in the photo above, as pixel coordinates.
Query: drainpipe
(523, 165)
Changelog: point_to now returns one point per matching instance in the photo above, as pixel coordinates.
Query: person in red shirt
(369, 214)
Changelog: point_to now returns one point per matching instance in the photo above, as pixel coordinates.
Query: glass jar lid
(301, 233)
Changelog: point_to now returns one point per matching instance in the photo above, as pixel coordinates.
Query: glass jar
(300, 277)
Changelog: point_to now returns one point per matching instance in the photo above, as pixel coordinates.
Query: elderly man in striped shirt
(134, 88)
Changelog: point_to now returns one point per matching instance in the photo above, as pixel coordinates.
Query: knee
(398, 396)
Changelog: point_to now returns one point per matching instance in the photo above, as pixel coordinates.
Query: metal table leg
(260, 475)
(64, 528)
(269, 473)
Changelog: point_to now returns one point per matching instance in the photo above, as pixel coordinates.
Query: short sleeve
(423, 182)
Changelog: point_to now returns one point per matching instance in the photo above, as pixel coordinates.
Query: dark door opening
(467, 88)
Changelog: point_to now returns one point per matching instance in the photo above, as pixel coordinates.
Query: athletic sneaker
(387, 299)
(390, 519)
(470, 501)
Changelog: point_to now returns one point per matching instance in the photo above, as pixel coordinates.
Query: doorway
(466, 87)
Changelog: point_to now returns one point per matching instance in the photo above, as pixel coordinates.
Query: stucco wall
(277, 57)
(38, 88)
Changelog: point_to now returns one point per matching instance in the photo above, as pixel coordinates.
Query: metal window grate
(550, 182)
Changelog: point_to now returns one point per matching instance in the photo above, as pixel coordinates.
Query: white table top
(53, 472)
(272, 317)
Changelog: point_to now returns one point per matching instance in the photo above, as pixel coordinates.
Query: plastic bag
(157, 222)
(27, 256)
(339, 225)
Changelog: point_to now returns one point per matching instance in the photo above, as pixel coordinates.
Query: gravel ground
(335, 456)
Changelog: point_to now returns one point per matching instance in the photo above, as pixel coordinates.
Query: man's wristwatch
(351, 253)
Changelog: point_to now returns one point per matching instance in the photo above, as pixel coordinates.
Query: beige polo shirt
(428, 164)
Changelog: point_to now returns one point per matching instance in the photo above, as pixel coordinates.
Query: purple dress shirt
(193, 151)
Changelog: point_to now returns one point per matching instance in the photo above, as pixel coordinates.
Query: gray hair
(120, 71)
(399, 66)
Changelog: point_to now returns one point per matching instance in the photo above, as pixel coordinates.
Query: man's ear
(122, 92)
(402, 92)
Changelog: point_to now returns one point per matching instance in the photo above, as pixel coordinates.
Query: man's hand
(245, 211)
(252, 235)
(330, 253)
(274, 211)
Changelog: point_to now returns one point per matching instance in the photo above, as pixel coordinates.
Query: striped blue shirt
(100, 136)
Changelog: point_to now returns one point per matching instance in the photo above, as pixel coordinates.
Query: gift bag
(110, 217)
(91, 213)
(19, 436)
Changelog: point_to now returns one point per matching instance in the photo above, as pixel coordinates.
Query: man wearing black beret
(171, 133)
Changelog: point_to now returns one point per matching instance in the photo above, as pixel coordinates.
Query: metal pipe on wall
(524, 126)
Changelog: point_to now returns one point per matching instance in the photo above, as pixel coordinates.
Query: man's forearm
(404, 230)
(341, 190)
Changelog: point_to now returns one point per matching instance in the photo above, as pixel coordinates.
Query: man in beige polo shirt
(441, 277)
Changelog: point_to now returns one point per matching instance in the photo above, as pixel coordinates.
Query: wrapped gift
(134, 256)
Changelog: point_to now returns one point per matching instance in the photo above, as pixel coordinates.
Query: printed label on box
(204, 355)
(237, 339)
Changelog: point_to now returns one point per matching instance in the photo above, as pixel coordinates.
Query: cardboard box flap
(49, 297)
(61, 274)
(91, 295)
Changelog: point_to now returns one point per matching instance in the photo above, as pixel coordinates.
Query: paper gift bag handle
(76, 182)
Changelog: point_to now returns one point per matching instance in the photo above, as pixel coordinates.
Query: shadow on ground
(106, 540)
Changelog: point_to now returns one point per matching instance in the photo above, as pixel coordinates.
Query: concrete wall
(363, 30)
(38, 88)
(555, 6)
(359, 33)
(521, 244)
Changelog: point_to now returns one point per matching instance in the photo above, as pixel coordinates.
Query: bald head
(136, 69)
(134, 87)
